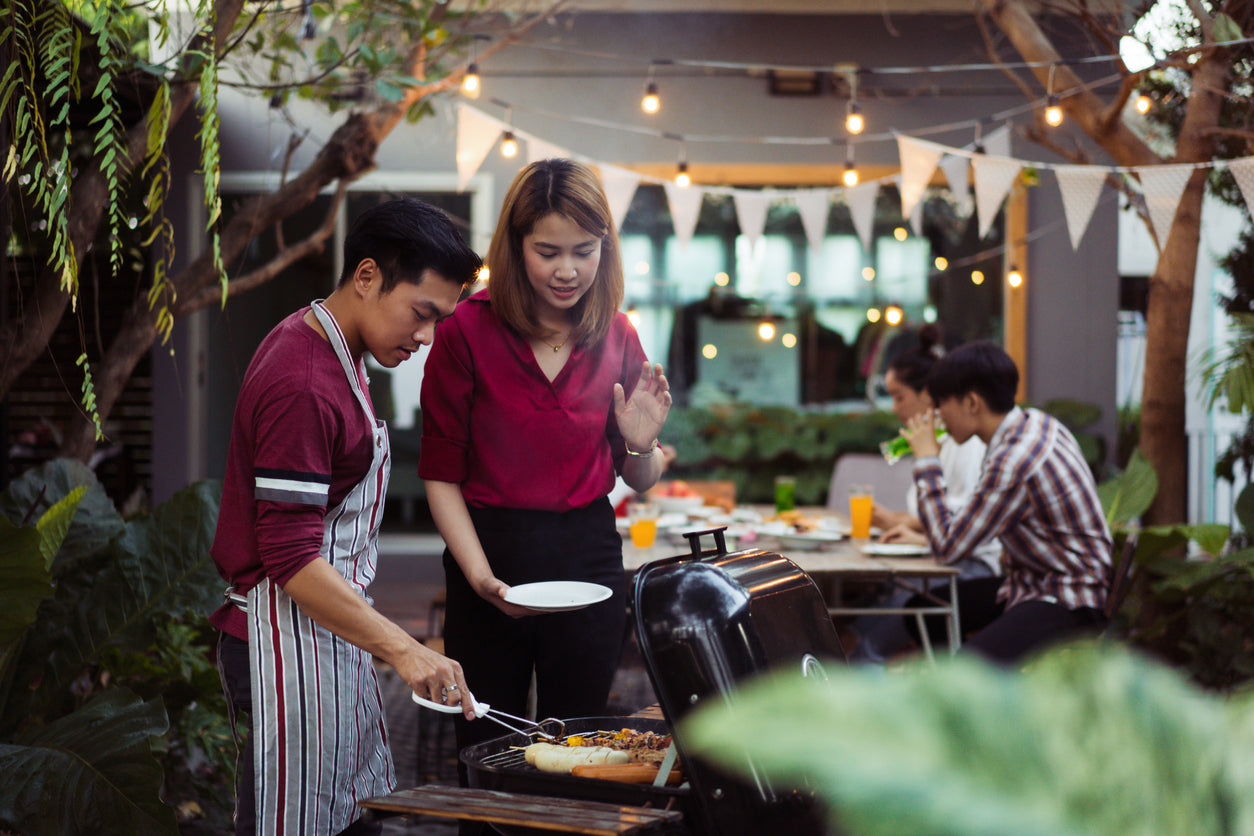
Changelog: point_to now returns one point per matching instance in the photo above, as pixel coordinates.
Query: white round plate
(679, 504)
(557, 596)
(809, 540)
(895, 550)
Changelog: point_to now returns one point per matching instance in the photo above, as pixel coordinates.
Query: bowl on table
(678, 504)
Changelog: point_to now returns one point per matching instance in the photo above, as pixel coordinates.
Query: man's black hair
(979, 367)
(407, 237)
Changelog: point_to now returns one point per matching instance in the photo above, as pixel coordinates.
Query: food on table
(626, 746)
(802, 523)
(675, 487)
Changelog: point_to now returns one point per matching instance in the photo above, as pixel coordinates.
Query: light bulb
(1053, 113)
(709, 351)
(868, 273)
(900, 233)
(681, 176)
(483, 273)
(854, 123)
(470, 81)
(509, 146)
(941, 262)
(850, 177)
(766, 331)
(977, 277)
(1014, 278)
(873, 315)
(893, 315)
(788, 340)
(633, 316)
(1143, 103)
(651, 103)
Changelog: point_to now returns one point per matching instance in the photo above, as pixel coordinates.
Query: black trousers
(574, 654)
(1004, 636)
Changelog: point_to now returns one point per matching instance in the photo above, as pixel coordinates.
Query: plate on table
(678, 504)
(557, 596)
(896, 550)
(809, 540)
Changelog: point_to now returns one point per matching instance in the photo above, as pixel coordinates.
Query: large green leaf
(95, 523)
(24, 581)
(1127, 496)
(1089, 740)
(1245, 508)
(160, 565)
(91, 772)
(55, 524)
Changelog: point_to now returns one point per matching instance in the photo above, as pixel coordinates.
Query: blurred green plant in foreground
(1090, 740)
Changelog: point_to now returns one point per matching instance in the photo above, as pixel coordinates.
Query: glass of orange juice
(861, 498)
(642, 523)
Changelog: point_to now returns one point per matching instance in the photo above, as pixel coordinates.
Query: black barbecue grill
(705, 621)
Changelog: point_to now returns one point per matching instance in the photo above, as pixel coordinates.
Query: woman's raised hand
(640, 417)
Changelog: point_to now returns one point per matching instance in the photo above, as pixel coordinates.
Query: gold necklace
(558, 347)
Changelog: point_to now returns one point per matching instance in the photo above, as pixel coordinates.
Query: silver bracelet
(644, 455)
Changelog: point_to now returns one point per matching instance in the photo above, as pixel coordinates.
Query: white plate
(895, 550)
(678, 504)
(557, 596)
(809, 540)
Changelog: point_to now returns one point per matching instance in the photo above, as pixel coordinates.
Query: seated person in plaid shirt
(1035, 494)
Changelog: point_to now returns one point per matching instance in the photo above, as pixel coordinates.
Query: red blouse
(492, 421)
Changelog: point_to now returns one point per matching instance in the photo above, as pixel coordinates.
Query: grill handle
(694, 541)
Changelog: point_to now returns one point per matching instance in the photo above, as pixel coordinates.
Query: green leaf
(55, 524)
(1089, 739)
(1226, 29)
(24, 580)
(90, 772)
(94, 525)
(1127, 496)
(1245, 507)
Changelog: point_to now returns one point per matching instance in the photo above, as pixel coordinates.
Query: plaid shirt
(1037, 495)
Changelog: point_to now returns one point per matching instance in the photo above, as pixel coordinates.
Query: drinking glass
(785, 493)
(642, 523)
(861, 498)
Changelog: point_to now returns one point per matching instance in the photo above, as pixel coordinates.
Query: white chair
(888, 481)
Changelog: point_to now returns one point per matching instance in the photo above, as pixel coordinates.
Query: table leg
(924, 638)
(953, 628)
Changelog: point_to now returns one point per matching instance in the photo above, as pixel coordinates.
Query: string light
(1053, 113)
(709, 351)
(977, 277)
(868, 273)
(509, 146)
(483, 273)
(850, 177)
(651, 103)
(1014, 278)
(1143, 104)
(682, 178)
(893, 315)
(789, 340)
(900, 233)
(854, 123)
(941, 262)
(766, 331)
(471, 84)
(872, 314)
(722, 279)
(633, 316)
(793, 278)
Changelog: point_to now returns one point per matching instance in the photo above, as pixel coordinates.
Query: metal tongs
(482, 709)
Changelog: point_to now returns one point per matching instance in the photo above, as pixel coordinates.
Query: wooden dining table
(829, 565)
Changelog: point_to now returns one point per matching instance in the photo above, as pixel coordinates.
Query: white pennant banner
(957, 170)
(916, 219)
(620, 187)
(685, 208)
(1163, 185)
(861, 203)
(1080, 187)
(813, 206)
(539, 149)
(918, 163)
(997, 143)
(476, 134)
(751, 213)
(1243, 171)
(993, 178)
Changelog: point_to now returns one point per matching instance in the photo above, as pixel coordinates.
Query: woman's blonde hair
(543, 188)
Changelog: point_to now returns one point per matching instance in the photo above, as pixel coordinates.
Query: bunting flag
(918, 163)
(957, 170)
(813, 206)
(685, 208)
(1162, 186)
(1080, 186)
(751, 213)
(861, 202)
(539, 149)
(997, 142)
(916, 219)
(476, 134)
(1243, 171)
(620, 187)
(993, 178)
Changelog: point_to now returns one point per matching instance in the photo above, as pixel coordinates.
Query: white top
(961, 465)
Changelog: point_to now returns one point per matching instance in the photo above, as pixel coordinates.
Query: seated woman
(881, 636)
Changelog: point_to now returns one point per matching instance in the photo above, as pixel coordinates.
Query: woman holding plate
(536, 394)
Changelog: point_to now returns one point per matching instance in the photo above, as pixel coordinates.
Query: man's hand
(436, 677)
(920, 431)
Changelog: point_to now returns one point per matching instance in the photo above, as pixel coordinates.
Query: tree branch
(1115, 110)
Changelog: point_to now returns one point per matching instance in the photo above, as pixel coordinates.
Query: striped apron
(319, 742)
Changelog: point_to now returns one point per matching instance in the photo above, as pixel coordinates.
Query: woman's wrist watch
(646, 454)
